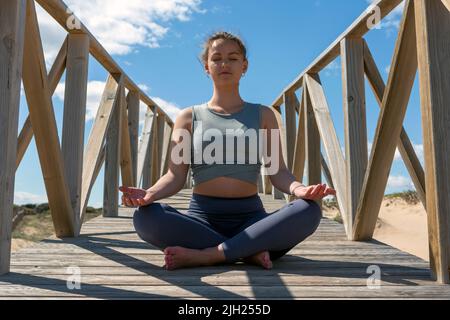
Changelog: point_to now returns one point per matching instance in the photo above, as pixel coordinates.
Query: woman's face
(225, 62)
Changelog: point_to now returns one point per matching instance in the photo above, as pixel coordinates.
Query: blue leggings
(241, 225)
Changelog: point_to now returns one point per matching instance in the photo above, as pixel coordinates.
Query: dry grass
(37, 224)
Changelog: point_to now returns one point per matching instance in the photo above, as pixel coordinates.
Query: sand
(401, 225)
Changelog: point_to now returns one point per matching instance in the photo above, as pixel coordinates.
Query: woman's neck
(228, 99)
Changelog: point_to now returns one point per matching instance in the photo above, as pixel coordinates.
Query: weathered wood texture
(115, 264)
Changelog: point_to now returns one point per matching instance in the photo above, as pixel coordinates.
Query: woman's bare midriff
(226, 188)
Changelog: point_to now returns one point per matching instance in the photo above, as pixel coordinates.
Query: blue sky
(157, 44)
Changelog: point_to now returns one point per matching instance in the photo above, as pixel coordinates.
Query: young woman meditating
(226, 220)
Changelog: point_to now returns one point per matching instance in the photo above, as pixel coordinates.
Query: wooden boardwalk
(115, 264)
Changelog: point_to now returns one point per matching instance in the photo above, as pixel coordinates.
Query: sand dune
(401, 225)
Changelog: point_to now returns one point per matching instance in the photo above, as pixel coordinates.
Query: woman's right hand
(134, 197)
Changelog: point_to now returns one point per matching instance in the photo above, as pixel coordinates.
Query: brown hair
(222, 35)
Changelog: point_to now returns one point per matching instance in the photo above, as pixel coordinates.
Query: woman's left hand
(314, 192)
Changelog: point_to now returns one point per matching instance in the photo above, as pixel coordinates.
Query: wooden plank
(12, 28)
(395, 102)
(126, 162)
(331, 143)
(355, 129)
(75, 96)
(112, 155)
(55, 74)
(145, 156)
(44, 126)
(433, 43)
(357, 29)
(133, 122)
(404, 146)
(96, 140)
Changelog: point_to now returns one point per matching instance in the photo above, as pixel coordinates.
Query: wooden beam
(404, 145)
(395, 102)
(96, 139)
(330, 141)
(55, 74)
(433, 44)
(12, 27)
(112, 156)
(357, 29)
(355, 129)
(44, 126)
(74, 117)
(126, 162)
(133, 123)
(313, 145)
(145, 150)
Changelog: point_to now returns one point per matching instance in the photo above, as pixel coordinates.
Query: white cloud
(120, 26)
(26, 197)
(400, 182)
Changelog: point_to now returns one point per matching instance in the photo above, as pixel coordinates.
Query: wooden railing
(423, 44)
(70, 169)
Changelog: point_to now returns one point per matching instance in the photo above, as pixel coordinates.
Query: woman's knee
(311, 211)
(145, 219)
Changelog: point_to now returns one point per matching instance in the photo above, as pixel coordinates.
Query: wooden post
(157, 147)
(395, 102)
(277, 194)
(145, 156)
(433, 44)
(330, 141)
(126, 162)
(352, 57)
(12, 26)
(112, 156)
(313, 154)
(166, 148)
(404, 145)
(74, 117)
(95, 146)
(54, 76)
(133, 123)
(42, 116)
(290, 105)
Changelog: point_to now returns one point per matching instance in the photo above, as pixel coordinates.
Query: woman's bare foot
(179, 257)
(260, 259)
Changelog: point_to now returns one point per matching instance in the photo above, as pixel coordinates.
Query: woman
(226, 221)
